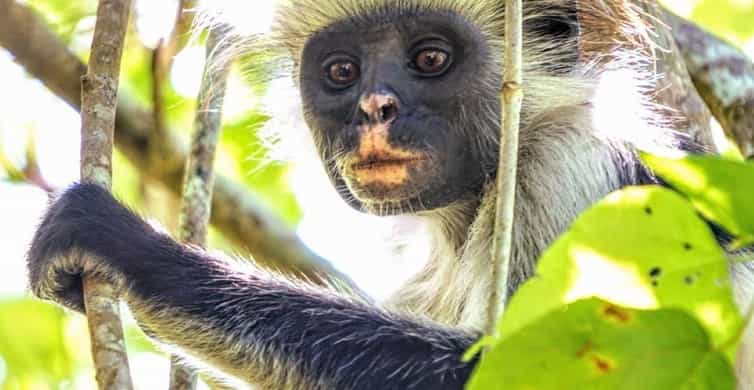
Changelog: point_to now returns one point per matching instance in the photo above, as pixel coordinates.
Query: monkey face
(403, 109)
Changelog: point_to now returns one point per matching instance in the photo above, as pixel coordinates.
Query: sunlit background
(43, 347)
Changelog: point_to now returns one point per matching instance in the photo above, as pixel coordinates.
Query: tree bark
(512, 97)
(200, 172)
(724, 77)
(99, 92)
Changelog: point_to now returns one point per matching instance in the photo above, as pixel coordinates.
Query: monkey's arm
(255, 326)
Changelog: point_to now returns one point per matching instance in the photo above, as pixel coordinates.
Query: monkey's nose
(381, 107)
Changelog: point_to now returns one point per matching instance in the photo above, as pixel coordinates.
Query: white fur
(579, 127)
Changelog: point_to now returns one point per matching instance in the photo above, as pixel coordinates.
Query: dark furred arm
(256, 326)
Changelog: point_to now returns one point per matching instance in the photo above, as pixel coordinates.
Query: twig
(724, 77)
(31, 171)
(99, 93)
(512, 96)
(236, 212)
(162, 59)
(200, 174)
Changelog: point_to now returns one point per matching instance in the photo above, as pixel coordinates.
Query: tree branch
(724, 77)
(512, 98)
(163, 55)
(200, 172)
(236, 212)
(99, 92)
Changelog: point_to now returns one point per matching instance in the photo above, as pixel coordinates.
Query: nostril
(380, 107)
(388, 112)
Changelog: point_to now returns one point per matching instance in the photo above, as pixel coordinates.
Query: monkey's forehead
(298, 20)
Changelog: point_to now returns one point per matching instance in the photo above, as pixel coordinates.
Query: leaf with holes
(722, 190)
(641, 247)
(592, 344)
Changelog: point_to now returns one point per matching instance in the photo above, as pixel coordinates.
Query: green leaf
(641, 247)
(722, 190)
(593, 344)
(477, 348)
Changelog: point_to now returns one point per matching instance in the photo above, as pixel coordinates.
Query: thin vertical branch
(199, 176)
(162, 59)
(512, 96)
(163, 56)
(99, 96)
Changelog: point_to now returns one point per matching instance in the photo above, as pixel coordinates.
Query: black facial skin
(357, 58)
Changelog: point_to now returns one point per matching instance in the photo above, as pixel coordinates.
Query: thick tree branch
(723, 75)
(99, 93)
(236, 212)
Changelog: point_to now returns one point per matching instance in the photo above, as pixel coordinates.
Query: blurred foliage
(65, 16)
(44, 347)
(50, 350)
(34, 345)
(728, 18)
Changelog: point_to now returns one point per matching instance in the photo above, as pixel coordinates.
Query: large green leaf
(722, 190)
(641, 247)
(592, 344)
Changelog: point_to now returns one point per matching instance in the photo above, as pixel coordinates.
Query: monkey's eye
(343, 73)
(431, 62)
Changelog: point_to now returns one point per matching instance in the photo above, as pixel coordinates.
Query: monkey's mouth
(381, 181)
(377, 163)
(384, 170)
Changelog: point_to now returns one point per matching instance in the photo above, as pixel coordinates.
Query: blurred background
(45, 347)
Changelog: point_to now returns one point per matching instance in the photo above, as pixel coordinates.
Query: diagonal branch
(236, 212)
(724, 77)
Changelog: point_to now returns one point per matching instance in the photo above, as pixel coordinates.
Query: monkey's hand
(78, 234)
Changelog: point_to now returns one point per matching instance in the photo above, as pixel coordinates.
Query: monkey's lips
(385, 181)
(384, 170)
(376, 164)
